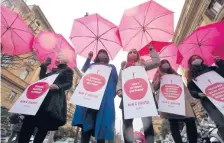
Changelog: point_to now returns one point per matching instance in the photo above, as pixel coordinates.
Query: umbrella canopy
(16, 37)
(144, 23)
(202, 42)
(48, 44)
(158, 46)
(92, 33)
(138, 136)
(168, 52)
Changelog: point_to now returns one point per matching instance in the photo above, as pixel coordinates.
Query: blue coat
(105, 119)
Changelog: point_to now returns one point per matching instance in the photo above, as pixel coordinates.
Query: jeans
(128, 132)
(190, 126)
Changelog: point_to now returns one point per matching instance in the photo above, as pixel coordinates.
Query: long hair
(169, 71)
(138, 56)
(191, 74)
(160, 72)
(97, 60)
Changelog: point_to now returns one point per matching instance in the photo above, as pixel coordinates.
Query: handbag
(57, 110)
(56, 107)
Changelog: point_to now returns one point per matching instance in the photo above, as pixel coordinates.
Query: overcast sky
(61, 14)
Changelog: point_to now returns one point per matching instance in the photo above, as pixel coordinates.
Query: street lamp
(87, 14)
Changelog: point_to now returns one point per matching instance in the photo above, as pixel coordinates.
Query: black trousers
(128, 131)
(86, 137)
(27, 130)
(191, 129)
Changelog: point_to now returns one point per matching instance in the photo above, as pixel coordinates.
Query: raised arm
(43, 68)
(86, 65)
(155, 59)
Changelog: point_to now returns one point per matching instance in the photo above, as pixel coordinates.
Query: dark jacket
(64, 82)
(210, 108)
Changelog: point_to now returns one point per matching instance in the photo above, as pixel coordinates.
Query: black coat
(210, 108)
(64, 82)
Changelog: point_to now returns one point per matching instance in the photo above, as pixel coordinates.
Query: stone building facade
(196, 13)
(19, 71)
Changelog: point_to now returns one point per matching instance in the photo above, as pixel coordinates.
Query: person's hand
(217, 58)
(47, 62)
(90, 55)
(119, 93)
(202, 94)
(150, 46)
(54, 87)
(123, 64)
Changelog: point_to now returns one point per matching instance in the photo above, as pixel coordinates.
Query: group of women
(101, 123)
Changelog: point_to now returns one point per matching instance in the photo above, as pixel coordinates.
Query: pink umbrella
(138, 136)
(158, 46)
(92, 33)
(203, 42)
(48, 44)
(170, 53)
(144, 23)
(16, 37)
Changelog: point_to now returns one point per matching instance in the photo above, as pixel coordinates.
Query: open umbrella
(158, 46)
(202, 42)
(16, 37)
(168, 52)
(92, 33)
(144, 23)
(48, 44)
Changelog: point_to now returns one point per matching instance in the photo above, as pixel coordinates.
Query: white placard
(212, 84)
(138, 99)
(31, 99)
(171, 95)
(89, 93)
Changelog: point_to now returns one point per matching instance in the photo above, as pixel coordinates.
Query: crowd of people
(101, 123)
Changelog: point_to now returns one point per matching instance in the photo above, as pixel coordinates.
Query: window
(12, 95)
(37, 23)
(24, 74)
(6, 60)
(214, 8)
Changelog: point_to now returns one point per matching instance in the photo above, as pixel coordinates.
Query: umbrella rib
(147, 12)
(205, 36)
(158, 18)
(4, 19)
(107, 31)
(19, 36)
(149, 35)
(106, 49)
(138, 22)
(160, 30)
(197, 37)
(82, 36)
(87, 28)
(134, 28)
(142, 37)
(21, 30)
(13, 42)
(110, 41)
(133, 37)
(14, 21)
(87, 46)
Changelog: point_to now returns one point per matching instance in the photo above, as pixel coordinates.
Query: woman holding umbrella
(133, 59)
(165, 68)
(98, 123)
(48, 117)
(196, 68)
